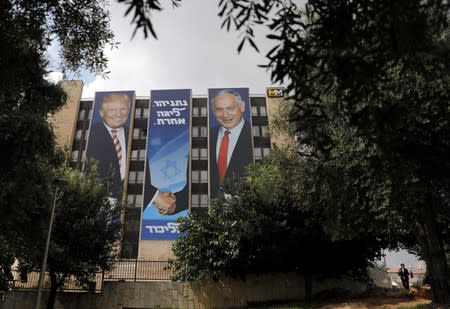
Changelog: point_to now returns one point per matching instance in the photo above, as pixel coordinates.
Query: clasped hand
(165, 202)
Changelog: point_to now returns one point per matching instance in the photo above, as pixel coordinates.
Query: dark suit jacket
(241, 157)
(101, 148)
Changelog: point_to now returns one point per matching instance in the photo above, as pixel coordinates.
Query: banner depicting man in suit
(230, 138)
(108, 139)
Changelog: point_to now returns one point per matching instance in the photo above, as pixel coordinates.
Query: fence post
(135, 269)
(103, 281)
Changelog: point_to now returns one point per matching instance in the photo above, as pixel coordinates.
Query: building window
(199, 176)
(259, 111)
(199, 154)
(136, 177)
(134, 200)
(254, 110)
(203, 154)
(195, 153)
(260, 131)
(82, 114)
(138, 154)
(139, 133)
(256, 131)
(199, 200)
(264, 131)
(145, 112)
(199, 131)
(262, 111)
(78, 135)
(199, 111)
(134, 155)
(259, 153)
(140, 112)
(195, 112)
(75, 156)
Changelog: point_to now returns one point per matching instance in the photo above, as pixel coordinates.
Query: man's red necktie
(223, 154)
(117, 145)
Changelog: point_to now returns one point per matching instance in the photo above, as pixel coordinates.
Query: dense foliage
(379, 71)
(27, 29)
(85, 233)
(283, 218)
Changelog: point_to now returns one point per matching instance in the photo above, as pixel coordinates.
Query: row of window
(197, 200)
(197, 111)
(139, 113)
(197, 154)
(198, 176)
(201, 111)
(197, 131)
(202, 131)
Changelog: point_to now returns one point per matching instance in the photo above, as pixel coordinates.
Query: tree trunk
(308, 285)
(435, 258)
(53, 289)
(54, 285)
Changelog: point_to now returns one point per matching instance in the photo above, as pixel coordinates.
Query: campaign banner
(166, 187)
(109, 138)
(230, 138)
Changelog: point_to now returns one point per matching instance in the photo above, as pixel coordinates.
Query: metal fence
(30, 281)
(122, 270)
(139, 270)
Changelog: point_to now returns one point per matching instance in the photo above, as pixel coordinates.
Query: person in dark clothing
(403, 273)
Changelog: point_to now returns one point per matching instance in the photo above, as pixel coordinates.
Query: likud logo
(275, 92)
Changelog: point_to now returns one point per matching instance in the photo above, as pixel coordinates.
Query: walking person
(403, 273)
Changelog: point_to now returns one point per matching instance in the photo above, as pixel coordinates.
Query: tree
(379, 68)
(27, 29)
(283, 206)
(85, 238)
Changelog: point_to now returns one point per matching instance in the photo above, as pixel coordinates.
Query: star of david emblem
(170, 170)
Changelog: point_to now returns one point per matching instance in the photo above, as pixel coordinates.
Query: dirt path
(377, 302)
(382, 298)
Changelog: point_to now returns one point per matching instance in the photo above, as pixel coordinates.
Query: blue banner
(166, 188)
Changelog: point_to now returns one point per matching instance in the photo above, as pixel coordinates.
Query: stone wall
(65, 120)
(227, 293)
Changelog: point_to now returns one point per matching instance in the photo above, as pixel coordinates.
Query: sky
(395, 258)
(191, 51)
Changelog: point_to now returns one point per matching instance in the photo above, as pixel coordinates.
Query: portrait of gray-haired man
(230, 142)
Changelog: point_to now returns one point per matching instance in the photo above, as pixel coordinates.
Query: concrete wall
(380, 277)
(159, 250)
(277, 139)
(65, 120)
(227, 293)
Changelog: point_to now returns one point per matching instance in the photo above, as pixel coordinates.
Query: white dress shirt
(121, 136)
(232, 139)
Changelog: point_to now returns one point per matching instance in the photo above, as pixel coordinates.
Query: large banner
(166, 187)
(109, 137)
(230, 138)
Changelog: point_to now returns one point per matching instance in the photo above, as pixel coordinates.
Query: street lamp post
(47, 243)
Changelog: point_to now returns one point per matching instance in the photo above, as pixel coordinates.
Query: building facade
(72, 127)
